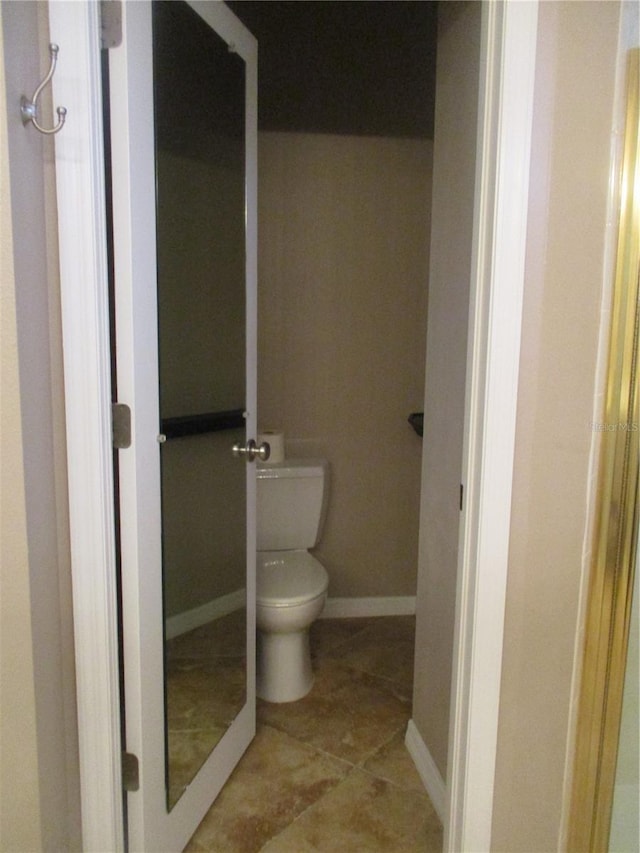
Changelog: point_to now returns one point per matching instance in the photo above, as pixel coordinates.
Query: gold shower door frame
(613, 566)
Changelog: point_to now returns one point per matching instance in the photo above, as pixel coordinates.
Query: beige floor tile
(364, 815)
(206, 688)
(383, 648)
(348, 714)
(276, 781)
(188, 751)
(201, 693)
(327, 635)
(327, 773)
(393, 763)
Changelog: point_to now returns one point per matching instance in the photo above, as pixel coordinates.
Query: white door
(183, 165)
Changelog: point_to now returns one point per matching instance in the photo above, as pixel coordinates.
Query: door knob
(250, 450)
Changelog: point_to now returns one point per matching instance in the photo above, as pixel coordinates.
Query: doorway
(85, 332)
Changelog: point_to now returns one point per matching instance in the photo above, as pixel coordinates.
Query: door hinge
(110, 23)
(130, 772)
(121, 425)
(461, 496)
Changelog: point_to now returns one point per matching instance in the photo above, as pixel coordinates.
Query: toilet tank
(292, 501)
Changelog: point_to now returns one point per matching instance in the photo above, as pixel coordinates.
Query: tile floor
(331, 772)
(206, 678)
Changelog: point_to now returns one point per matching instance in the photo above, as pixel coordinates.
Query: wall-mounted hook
(29, 108)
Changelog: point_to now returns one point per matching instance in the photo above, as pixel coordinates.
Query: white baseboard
(214, 609)
(344, 608)
(335, 608)
(426, 767)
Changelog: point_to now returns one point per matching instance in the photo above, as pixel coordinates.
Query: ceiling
(344, 66)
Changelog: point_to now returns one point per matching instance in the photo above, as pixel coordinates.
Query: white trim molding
(505, 118)
(427, 770)
(351, 608)
(189, 620)
(335, 608)
(75, 27)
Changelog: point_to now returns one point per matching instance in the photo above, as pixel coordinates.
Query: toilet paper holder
(275, 439)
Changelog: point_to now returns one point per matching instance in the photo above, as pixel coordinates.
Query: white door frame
(505, 120)
(508, 51)
(75, 27)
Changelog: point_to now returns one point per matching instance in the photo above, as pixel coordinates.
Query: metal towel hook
(29, 108)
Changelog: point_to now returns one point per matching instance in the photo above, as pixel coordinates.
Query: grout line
(313, 805)
(377, 749)
(375, 675)
(352, 768)
(344, 642)
(405, 789)
(385, 742)
(381, 682)
(309, 746)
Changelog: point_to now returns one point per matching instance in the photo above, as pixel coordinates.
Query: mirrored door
(199, 87)
(183, 135)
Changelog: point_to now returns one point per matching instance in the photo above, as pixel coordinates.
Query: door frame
(84, 286)
(508, 40)
(503, 154)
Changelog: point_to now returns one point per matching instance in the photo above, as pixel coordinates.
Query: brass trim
(613, 566)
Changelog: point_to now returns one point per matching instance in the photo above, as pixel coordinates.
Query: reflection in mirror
(199, 96)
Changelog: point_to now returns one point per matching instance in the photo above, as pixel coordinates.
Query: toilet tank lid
(292, 468)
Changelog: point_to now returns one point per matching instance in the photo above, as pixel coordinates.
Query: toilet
(291, 584)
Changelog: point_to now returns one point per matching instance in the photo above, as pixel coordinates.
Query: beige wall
(453, 188)
(562, 319)
(201, 295)
(39, 764)
(204, 526)
(342, 281)
(342, 317)
(565, 264)
(19, 802)
(201, 262)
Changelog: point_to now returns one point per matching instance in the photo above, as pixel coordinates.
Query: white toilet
(291, 584)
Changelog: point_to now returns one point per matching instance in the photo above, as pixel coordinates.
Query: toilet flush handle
(250, 450)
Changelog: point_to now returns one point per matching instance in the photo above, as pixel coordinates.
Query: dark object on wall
(198, 424)
(417, 422)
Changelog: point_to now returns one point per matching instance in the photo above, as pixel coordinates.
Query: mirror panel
(199, 93)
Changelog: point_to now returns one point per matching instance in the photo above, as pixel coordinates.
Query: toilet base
(284, 671)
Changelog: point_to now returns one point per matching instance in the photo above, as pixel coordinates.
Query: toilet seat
(289, 578)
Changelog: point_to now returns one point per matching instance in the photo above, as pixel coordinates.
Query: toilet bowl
(291, 583)
(291, 592)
